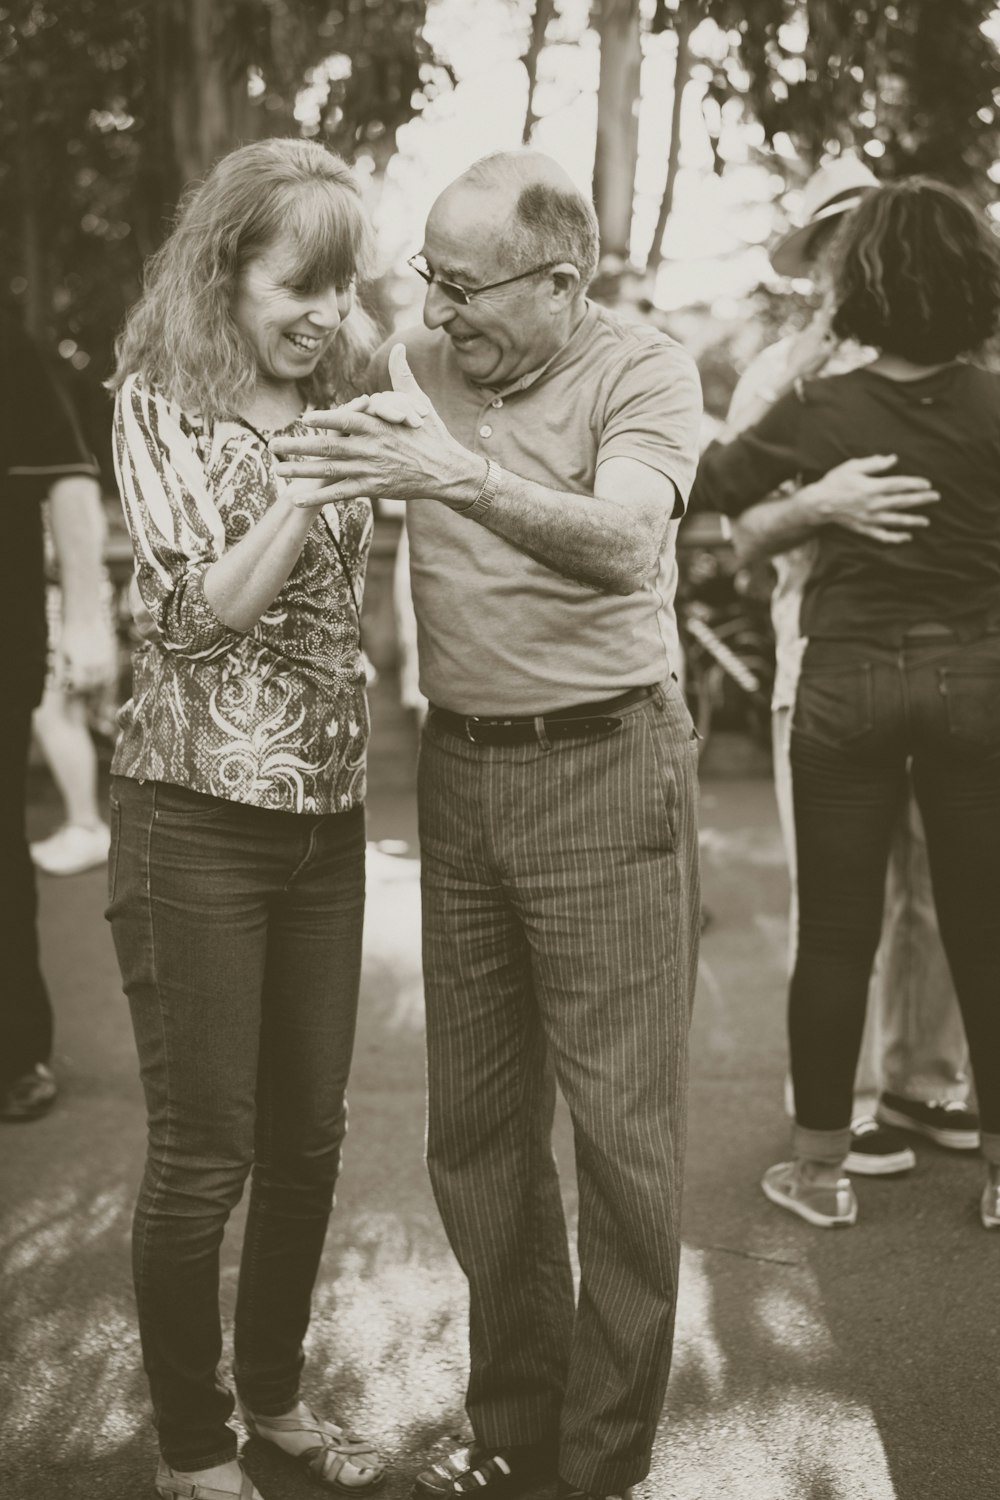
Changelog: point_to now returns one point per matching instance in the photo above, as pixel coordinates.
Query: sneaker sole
(951, 1140)
(819, 1221)
(66, 870)
(892, 1165)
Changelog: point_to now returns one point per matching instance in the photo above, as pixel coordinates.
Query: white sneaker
(827, 1205)
(72, 849)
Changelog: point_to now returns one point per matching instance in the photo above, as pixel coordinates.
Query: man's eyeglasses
(464, 295)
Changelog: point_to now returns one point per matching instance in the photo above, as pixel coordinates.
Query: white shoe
(72, 849)
(828, 1205)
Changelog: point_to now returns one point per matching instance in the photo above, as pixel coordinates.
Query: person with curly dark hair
(901, 672)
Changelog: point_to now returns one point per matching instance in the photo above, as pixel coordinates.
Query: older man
(545, 450)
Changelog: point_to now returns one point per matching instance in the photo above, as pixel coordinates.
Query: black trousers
(25, 1010)
(864, 715)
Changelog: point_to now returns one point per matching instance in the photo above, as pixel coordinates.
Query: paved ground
(859, 1365)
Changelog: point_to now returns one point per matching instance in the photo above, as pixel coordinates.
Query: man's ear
(565, 280)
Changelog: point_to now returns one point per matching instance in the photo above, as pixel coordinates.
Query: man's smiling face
(504, 334)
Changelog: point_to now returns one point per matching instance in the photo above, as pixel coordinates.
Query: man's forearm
(76, 517)
(591, 539)
(774, 526)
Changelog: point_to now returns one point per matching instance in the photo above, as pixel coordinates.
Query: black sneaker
(948, 1124)
(877, 1151)
(485, 1472)
(30, 1095)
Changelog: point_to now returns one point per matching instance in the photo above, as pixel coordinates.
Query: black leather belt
(583, 720)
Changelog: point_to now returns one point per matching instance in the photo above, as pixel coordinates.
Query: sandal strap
(327, 1464)
(329, 1455)
(171, 1486)
(347, 1442)
(469, 1474)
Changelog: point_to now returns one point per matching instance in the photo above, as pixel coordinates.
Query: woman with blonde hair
(236, 875)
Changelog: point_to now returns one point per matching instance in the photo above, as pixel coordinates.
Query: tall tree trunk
(682, 72)
(617, 123)
(207, 109)
(544, 10)
(33, 260)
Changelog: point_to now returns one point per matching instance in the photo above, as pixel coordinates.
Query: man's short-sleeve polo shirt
(499, 632)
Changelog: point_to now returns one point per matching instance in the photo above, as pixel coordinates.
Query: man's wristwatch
(480, 507)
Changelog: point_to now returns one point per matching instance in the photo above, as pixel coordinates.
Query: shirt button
(497, 401)
(485, 430)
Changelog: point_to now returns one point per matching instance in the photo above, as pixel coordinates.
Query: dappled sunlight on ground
(775, 1428)
(392, 1325)
(67, 1362)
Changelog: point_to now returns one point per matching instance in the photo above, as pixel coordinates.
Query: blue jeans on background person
(238, 933)
(561, 912)
(868, 719)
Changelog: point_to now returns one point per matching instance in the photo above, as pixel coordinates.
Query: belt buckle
(470, 722)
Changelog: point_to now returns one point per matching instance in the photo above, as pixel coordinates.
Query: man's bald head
(547, 220)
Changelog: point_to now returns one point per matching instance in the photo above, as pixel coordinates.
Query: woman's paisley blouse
(275, 717)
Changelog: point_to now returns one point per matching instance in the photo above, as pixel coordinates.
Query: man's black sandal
(484, 1472)
(569, 1494)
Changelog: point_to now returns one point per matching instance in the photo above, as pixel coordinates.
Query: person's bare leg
(60, 726)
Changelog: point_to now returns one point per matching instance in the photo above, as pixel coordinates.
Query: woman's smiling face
(288, 327)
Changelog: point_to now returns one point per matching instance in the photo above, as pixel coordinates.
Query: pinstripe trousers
(560, 907)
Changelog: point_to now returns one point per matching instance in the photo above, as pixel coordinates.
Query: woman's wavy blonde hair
(180, 336)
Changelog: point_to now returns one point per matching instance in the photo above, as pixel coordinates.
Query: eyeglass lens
(451, 289)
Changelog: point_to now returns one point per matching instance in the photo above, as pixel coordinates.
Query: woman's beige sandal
(171, 1486)
(338, 1459)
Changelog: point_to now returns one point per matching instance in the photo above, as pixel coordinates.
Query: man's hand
(87, 648)
(392, 444)
(861, 497)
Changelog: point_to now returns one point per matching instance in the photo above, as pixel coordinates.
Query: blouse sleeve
(734, 475)
(173, 519)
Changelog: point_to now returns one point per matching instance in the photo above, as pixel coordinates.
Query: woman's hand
(400, 408)
(859, 496)
(392, 444)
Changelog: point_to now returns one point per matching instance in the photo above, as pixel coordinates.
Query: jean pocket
(972, 704)
(115, 823)
(181, 805)
(835, 704)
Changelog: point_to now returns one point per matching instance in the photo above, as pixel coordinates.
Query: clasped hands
(391, 444)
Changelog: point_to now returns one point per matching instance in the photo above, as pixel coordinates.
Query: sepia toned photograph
(500, 799)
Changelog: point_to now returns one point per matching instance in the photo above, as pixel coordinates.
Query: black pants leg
(25, 1010)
